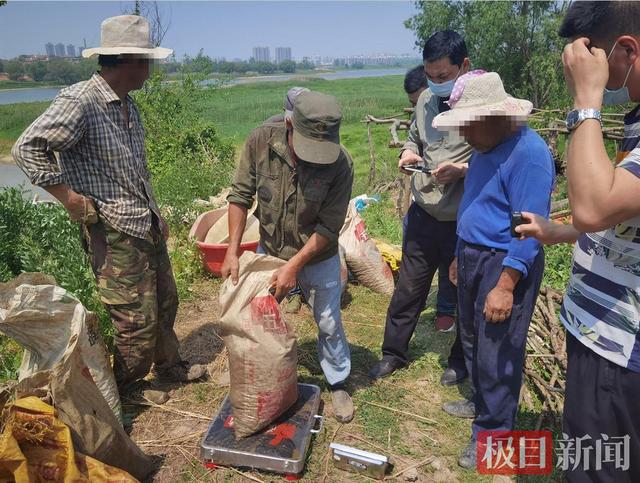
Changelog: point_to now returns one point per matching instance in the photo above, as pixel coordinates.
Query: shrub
(186, 156)
(41, 238)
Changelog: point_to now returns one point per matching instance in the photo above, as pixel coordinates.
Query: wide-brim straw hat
(127, 34)
(478, 95)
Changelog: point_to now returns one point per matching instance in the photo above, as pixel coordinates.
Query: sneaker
(452, 376)
(181, 372)
(462, 408)
(468, 456)
(342, 405)
(445, 323)
(384, 368)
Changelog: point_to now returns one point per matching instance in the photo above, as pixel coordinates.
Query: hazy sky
(224, 29)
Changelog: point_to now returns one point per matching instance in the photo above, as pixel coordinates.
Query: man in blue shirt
(498, 276)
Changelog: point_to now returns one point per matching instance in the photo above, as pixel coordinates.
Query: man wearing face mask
(601, 308)
(430, 235)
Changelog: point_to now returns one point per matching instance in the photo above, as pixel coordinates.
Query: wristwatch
(577, 116)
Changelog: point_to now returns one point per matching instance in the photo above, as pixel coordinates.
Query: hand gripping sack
(363, 257)
(261, 345)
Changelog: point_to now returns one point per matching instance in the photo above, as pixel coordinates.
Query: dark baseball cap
(316, 128)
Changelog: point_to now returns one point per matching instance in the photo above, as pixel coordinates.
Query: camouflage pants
(136, 285)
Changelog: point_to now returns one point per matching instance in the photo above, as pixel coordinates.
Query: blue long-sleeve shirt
(517, 175)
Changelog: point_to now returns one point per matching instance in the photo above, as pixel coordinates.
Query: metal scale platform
(281, 447)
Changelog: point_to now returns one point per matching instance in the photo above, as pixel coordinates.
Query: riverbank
(22, 85)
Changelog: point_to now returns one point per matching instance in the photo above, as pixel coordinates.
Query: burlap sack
(63, 365)
(44, 318)
(261, 345)
(363, 257)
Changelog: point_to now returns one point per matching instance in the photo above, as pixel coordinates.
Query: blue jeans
(447, 297)
(320, 283)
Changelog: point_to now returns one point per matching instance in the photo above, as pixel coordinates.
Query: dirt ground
(399, 417)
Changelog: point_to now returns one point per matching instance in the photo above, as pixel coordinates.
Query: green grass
(14, 118)
(239, 109)
(4, 85)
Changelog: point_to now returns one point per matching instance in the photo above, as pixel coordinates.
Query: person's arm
(410, 153)
(449, 172)
(243, 191)
(528, 188)
(546, 231)
(285, 278)
(59, 128)
(601, 196)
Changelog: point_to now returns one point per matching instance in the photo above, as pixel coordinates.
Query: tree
(265, 67)
(517, 39)
(306, 64)
(14, 69)
(1, 66)
(37, 70)
(287, 66)
(60, 70)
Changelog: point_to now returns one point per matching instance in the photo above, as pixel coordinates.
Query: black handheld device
(516, 219)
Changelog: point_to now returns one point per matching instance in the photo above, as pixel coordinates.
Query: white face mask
(617, 96)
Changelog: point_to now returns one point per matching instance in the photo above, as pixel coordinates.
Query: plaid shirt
(99, 156)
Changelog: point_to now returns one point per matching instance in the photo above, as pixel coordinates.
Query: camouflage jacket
(294, 202)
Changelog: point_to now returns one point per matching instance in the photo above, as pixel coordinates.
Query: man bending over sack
(302, 177)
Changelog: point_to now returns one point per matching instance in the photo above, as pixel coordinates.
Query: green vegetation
(518, 39)
(41, 238)
(56, 70)
(7, 85)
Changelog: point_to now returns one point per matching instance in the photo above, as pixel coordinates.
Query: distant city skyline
(222, 29)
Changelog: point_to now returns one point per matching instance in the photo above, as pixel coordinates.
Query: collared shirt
(436, 147)
(294, 201)
(601, 307)
(516, 175)
(98, 154)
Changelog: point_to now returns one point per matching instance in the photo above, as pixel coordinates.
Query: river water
(15, 96)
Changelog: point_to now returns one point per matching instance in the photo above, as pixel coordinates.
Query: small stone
(155, 396)
(411, 475)
(437, 464)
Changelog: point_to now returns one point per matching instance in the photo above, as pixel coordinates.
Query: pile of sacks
(67, 419)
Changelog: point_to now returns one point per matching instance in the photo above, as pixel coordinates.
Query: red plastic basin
(213, 254)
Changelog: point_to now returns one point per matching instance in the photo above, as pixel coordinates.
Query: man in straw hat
(100, 176)
(302, 178)
(498, 275)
